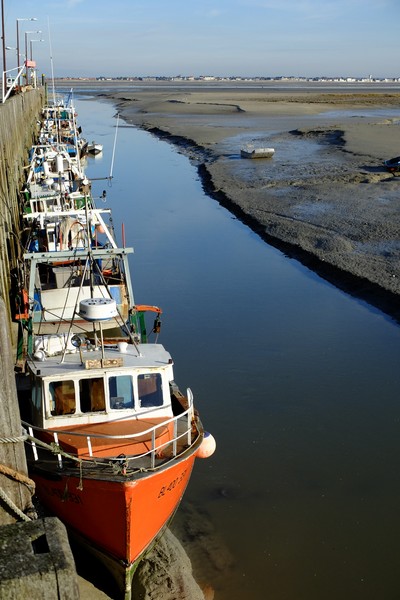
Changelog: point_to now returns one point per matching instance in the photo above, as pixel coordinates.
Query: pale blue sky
(209, 37)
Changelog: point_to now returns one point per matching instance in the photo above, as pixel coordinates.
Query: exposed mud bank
(324, 199)
(279, 232)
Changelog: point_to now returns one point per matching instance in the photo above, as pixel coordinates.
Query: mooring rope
(56, 449)
(20, 477)
(13, 506)
(13, 440)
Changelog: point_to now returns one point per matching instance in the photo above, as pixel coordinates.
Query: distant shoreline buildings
(216, 79)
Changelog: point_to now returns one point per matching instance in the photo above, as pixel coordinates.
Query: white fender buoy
(59, 163)
(207, 446)
(46, 168)
(40, 355)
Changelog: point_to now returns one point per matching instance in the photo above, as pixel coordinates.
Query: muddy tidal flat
(325, 196)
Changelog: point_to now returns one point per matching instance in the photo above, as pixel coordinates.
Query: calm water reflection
(297, 381)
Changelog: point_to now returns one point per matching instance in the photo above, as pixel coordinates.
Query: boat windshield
(121, 391)
(91, 394)
(62, 398)
(105, 394)
(150, 390)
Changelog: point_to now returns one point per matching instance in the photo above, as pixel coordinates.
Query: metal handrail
(187, 414)
(14, 84)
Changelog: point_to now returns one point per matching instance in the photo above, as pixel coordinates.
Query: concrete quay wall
(19, 126)
(35, 558)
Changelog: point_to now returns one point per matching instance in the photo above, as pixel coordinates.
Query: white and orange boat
(111, 440)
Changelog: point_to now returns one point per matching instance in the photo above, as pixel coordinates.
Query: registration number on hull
(168, 488)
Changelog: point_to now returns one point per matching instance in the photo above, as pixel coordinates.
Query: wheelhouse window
(121, 392)
(150, 390)
(92, 396)
(36, 396)
(62, 398)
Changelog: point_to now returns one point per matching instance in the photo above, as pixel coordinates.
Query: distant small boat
(393, 164)
(252, 152)
(94, 148)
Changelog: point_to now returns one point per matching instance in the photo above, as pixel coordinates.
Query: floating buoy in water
(207, 446)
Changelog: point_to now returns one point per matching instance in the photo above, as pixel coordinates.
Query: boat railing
(183, 426)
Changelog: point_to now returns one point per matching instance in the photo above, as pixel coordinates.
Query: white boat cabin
(57, 286)
(86, 388)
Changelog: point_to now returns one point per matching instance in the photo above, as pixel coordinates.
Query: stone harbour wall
(19, 126)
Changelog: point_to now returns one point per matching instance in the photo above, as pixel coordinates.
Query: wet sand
(324, 198)
(164, 572)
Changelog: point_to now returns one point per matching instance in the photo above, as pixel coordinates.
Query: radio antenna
(113, 153)
(51, 62)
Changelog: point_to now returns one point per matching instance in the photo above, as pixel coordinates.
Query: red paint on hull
(120, 518)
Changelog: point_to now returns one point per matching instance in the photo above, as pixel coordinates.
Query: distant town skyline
(220, 38)
(232, 78)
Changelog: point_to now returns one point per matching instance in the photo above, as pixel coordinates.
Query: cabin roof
(142, 356)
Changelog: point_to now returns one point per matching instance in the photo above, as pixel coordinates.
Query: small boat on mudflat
(254, 152)
(393, 164)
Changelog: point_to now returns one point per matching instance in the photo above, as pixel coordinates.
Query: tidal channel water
(298, 382)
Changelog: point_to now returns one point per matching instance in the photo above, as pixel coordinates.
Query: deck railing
(182, 430)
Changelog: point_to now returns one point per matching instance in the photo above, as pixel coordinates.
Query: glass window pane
(121, 392)
(62, 398)
(36, 396)
(150, 390)
(92, 395)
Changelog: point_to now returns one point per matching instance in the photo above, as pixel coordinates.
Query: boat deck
(86, 441)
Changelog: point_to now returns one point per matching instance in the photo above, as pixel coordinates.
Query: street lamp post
(30, 43)
(3, 40)
(34, 74)
(22, 19)
(26, 53)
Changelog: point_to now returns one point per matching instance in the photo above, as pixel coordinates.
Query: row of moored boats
(111, 439)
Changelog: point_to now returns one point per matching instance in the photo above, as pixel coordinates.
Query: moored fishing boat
(59, 125)
(55, 172)
(111, 439)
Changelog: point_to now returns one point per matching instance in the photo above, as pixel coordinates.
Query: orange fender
(146, 307)
(23, 307)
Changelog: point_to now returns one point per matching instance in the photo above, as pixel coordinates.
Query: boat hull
(116, 520)
(393, 165)
(257, 153)
(122, 574)
(94, 149)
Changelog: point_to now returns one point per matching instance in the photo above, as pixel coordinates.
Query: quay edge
(34, 554)
(19, 127)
